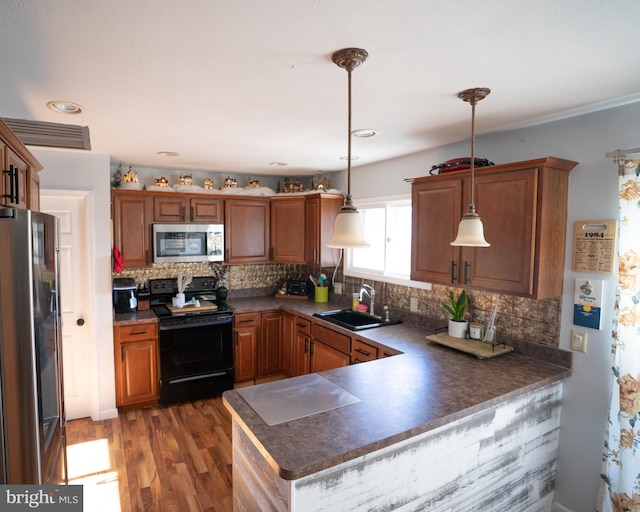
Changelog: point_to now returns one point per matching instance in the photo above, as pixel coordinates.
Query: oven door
(196, 358)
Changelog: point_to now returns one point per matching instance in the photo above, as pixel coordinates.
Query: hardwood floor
(176, 458)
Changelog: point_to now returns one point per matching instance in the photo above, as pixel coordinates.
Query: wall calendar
(594, 246)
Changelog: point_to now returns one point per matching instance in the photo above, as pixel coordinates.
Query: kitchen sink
(354, 320)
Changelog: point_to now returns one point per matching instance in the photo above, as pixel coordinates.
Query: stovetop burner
(200, 288)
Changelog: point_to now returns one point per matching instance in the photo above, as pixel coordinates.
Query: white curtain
(620, 489)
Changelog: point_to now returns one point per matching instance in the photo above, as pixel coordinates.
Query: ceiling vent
(52, 135)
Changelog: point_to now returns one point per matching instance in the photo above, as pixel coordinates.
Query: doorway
(76, 300)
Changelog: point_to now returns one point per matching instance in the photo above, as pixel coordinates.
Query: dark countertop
(134, 318)
(401, 396)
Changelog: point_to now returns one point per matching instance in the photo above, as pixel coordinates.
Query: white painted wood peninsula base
(502, 458)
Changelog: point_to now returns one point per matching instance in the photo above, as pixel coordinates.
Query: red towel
(118, 261)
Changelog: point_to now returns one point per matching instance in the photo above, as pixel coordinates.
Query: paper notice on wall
(594, 246)
(588, 302)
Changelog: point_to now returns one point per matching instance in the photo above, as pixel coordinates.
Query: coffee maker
(124, 295)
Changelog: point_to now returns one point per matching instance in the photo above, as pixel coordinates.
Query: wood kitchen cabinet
(270, 344)
(247, 230)
(245, 338)
(361, 352)
(287, 229)
(188, 209)
(136, 364)
(19, 185)
(329, 349)
(296, 345)
(523, 207)
(132, 227)
(288, 336)
(320, 216)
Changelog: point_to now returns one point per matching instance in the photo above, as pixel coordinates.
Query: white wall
(75, 170)
(592, 196)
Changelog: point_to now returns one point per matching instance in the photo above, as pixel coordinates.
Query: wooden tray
(476, 348)
(205, 305)
(284, 296)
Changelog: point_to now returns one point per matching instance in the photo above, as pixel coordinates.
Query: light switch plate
(337, 288)
(413, 304)
(578, 340)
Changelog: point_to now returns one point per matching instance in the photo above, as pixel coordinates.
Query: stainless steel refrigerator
(32, 428)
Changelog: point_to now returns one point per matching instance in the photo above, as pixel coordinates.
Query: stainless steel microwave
(186, 243)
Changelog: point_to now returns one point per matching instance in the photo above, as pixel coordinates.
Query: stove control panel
(169, 286)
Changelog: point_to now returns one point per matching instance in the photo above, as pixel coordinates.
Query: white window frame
(349, 270)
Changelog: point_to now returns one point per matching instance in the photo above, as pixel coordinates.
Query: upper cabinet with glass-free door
(523, 207)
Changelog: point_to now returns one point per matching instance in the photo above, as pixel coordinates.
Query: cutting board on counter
(204, 306)
(477, 348)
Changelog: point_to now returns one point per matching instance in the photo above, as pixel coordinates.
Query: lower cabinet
(296, 345)
(270, 344)
(245, 339)
(329, 349)
(362, 352)
(136, 364)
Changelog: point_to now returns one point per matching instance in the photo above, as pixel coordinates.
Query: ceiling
(232, 85)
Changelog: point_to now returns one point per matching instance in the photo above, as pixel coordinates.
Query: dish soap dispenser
(355, 301)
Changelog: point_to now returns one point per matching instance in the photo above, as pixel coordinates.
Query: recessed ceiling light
(347, 158)
(65, 107)
(278, 164)
(167, 153)
(364, 133)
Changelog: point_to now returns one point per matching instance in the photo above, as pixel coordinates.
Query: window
(387, 228)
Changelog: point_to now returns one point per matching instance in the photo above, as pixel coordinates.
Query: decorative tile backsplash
(536, 321)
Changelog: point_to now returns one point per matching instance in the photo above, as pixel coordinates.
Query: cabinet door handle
(466, 272)
(12, 183)
(226, 252)
(453, 271)
(236, 337)
(270, 253)
(311, 348)
(363, 352)
(122, 353)
(315, 255)
(300, 325)
(16, 187)
(245, 321)
(135, 333)
(306, 345)
(184, 213)
(193, 212)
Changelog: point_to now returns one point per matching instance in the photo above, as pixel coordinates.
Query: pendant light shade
(470, 229)
(347, 231)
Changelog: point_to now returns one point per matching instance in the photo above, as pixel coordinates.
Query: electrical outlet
(337, 288)
(413, 304)
(578, 340)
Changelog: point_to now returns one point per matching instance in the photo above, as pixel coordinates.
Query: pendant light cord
(472, 205)
(349, 68)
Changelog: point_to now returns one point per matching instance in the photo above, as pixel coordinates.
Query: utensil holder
(322, 293)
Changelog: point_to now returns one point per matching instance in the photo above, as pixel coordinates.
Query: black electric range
(196, 348)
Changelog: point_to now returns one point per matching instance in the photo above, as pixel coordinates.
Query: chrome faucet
(371, 294)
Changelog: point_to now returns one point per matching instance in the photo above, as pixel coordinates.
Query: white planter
(458, 329)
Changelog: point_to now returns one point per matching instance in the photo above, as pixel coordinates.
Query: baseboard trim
(106, 414)
(556, 507)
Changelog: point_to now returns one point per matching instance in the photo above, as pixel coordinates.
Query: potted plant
(456, 308)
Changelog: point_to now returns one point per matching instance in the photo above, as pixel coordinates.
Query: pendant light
(347, 231)
(470, 230)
